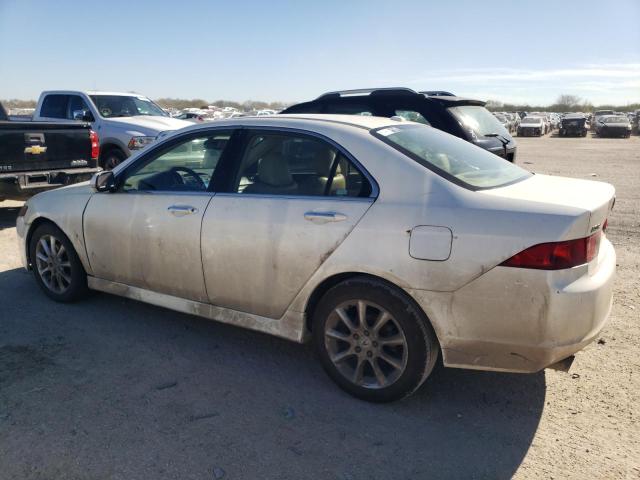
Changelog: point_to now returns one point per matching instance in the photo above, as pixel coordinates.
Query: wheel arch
(109, 145)
(32, 228)
(333, 280)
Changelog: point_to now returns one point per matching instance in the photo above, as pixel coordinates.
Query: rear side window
(412, 116)
(348, 108)
(297, 165)
(54, 106)
(452, 158)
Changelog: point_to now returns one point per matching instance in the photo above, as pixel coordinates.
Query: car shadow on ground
(8, 216)
(169, 394)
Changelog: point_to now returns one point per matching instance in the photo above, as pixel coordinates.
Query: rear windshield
(478, 120)
(532, 120)
(452, 158)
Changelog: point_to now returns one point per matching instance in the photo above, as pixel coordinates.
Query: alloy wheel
(366, 344)
(53, 264)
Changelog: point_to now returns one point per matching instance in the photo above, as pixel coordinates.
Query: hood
(147, 124)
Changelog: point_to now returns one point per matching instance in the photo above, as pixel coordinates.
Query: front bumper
(521, 320)
(22, 185)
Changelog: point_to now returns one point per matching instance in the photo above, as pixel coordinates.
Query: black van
(462, 117)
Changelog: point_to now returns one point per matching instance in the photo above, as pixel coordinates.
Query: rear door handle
(182, 210)
(324, 217)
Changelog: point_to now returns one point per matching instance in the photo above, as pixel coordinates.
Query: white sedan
(383, 241)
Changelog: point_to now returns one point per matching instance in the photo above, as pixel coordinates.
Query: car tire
(112, 158)
(385, 358)
(56, 266)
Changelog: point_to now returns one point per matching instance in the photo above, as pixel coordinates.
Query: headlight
(137, 143)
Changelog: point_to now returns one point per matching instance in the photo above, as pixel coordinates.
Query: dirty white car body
(261, 261)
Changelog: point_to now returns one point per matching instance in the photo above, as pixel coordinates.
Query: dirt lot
(114, 389)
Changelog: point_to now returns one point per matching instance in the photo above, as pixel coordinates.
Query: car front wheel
(112, 158)
(373, 341)
(56, 266)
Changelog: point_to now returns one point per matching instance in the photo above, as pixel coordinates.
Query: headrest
(273, 169)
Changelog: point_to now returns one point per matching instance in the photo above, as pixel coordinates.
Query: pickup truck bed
(37, 156)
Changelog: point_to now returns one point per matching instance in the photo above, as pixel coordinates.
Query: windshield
(599, 113)
(454, 159)
(111, 106)
(532, 120)
(615, 120)
(479, 120)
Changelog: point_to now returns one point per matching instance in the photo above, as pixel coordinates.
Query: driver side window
(188, 166)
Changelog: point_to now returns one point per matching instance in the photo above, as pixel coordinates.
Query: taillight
(557, 255)
(95, 145)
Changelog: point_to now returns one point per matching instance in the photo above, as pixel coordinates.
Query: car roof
(445, 98)
(93, 92)
(300, 120)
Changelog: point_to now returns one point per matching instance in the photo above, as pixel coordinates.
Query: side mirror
(104, 181)
(83, 115)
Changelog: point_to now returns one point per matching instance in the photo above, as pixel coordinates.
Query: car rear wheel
(373, 341)
(56, 266)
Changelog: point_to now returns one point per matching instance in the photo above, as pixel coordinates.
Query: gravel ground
(113, 389)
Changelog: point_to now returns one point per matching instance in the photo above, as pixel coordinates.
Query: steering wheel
(201, 185)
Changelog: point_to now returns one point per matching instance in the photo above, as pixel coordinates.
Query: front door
(147, 233)
(294, 200)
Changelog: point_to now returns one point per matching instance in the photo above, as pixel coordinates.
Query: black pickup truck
(37, 156)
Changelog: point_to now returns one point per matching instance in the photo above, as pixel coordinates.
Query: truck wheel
(56, 265)
(112, 158)
(373, 341)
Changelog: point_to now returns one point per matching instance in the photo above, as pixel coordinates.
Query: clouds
(598, 83)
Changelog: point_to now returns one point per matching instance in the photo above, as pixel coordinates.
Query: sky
(506, 50)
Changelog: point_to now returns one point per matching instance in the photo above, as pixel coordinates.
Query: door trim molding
(291, 326)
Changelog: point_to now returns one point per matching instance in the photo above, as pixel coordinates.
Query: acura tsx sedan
(385, 242)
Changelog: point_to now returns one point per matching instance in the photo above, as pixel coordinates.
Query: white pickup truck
(125, 122)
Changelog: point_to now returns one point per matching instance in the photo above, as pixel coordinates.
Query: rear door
(291, 202)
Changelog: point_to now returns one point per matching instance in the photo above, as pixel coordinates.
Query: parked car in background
(38, 156)
(532, 127)
(462, 117)
(573, 124)
(383, 241)
(126, 122)
(597, 115)
(504, 121)
(193, 117)
(613, 126)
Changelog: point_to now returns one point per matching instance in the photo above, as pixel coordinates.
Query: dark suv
(462, 117)
(574, 124)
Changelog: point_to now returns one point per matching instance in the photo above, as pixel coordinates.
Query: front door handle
(182, 210)
(324, 217)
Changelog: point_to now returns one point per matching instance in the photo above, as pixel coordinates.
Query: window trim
(161, 148)
(438, 171)
(250, 129)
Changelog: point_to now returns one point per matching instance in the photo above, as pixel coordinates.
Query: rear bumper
(22, 185)
(520, 320)
(575, 131)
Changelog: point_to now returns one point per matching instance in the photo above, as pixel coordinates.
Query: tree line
(564, 103)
